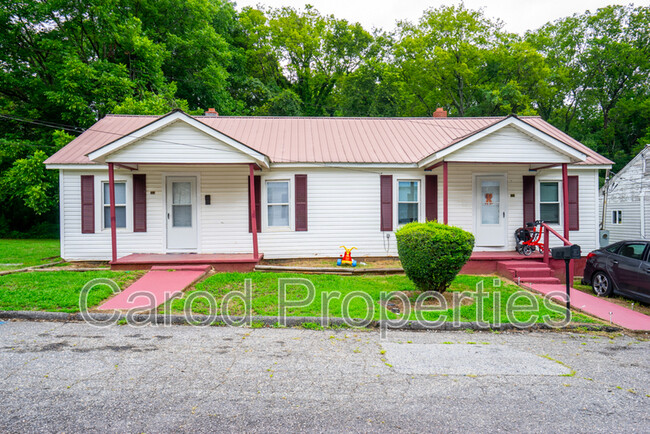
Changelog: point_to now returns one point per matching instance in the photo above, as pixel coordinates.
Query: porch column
(445, 193)
(251, 180)
(111, 192)
(565, 199)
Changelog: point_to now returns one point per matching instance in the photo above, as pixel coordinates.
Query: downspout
(605, 192)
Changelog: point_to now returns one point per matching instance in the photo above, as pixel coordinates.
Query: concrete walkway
(598, 307)
(156, 287)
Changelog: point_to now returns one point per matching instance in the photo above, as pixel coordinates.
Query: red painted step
(545, 280)
(532, 272)
(527, 272)
(523, 264)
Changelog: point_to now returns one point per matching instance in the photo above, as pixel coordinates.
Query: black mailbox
(567, 252)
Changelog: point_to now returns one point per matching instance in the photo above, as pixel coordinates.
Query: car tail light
(590, 255)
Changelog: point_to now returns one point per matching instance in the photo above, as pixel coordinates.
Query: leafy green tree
(443, 57)
(318, 51)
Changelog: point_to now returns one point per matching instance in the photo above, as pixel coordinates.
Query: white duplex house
(180, 185)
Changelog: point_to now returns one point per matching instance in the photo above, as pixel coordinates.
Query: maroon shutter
(529, 199)
(386, 193)
(301, 202)
(87, 204)
(431, 199)
(140, 203)
(574, 211)
(258, 203)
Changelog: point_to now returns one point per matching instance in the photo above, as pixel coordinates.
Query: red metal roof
(321, 139)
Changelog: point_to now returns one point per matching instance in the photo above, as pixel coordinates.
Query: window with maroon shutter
(431, 199)
(140, 203)
(386, 199)
(301, 202)
(258, 203)
(574, 209)
(529, 200)
(87, 204)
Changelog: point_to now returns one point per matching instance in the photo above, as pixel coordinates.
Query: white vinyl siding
(629, 193)
(179, 143)
(343, 209)
(508, 145)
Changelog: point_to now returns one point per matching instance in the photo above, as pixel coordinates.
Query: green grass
(56, 291)
(25, 253)
(265, 296)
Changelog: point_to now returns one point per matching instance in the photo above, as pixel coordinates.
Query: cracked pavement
(77, 378)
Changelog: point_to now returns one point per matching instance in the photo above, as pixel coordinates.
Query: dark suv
(622, 267)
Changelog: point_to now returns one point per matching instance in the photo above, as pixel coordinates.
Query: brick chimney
(440, 113)
(211, 112)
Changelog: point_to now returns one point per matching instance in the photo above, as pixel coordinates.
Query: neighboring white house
(182, 184)
(626, 202)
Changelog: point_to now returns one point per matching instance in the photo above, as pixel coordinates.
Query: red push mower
(530, 238)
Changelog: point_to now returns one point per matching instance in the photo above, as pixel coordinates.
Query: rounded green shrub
(432, 254)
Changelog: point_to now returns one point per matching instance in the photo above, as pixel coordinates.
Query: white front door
(490, 210)
(181, 213)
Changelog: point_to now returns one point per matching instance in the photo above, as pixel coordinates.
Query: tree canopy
(66, 63)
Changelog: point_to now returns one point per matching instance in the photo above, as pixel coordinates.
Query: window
(549, 202)
(181, 204)
(633, 250)
(613, 248)
(408, 205)
(277, 203)
(617, 217)
(120, 205)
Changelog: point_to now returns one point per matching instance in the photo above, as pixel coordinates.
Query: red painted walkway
(598, 307)
(156, 287)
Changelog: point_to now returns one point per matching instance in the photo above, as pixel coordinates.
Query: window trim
(107, 205)
(617, 217)
(100, 180)
(538, 200)
(396, 200)
(265, 205)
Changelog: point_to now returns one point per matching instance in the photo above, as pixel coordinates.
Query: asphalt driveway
(74, 377)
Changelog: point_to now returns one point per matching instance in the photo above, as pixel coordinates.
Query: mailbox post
(567, 253)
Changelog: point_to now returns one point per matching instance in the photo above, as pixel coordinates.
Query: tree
(443, 57)
(318, 51)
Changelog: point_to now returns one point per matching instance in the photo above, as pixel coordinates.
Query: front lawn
(57, 291)
(26, 253)
(265, 296)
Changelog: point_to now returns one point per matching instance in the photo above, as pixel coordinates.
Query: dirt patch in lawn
(331, 262)
(396, 304)
(616, 299)
(85, 264)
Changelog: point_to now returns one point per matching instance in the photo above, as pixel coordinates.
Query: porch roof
(320, 140)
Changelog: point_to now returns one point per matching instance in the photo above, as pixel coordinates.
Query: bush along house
(139, 190)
